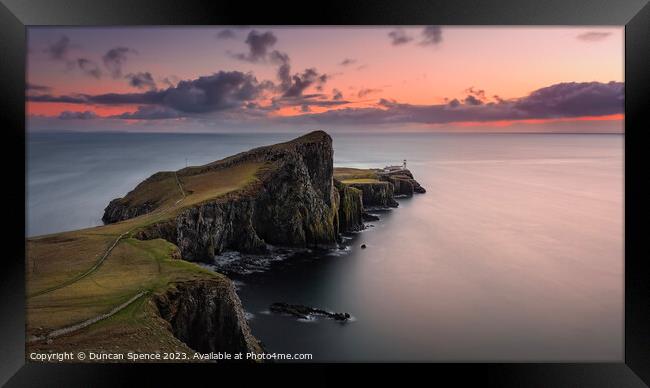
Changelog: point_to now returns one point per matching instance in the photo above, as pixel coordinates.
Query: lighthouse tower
(404, 165)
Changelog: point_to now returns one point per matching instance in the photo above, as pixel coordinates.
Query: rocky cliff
(379, 187)
(292, 202)
(403, 182)
(284, 194)
(376, 194)
(134, 204)
(207, 316)
(350, 215)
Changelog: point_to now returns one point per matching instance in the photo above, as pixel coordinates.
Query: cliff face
(205, 230)
(292, 203)
(207, 316)
(296, 205)
(403, 182)
(350, 215)
(401, 187)
(378, 194)
(117, 210)
(133, 205)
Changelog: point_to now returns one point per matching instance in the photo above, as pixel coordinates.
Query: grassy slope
(348, 174)
(132, 266)
(360, 181)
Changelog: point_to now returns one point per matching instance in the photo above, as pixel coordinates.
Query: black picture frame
(15, 15)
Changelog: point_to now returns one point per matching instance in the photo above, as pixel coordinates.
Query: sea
(515, 252)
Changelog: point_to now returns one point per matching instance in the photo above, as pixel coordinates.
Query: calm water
(515, 252)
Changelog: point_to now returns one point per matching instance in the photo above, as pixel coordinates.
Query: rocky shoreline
(294, 200)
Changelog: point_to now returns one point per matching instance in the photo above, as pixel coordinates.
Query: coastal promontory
(131, 284)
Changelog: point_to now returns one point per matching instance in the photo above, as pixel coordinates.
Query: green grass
(69, 261)
(208, 185)
(360, 181)
(347, 173)
(201, 183)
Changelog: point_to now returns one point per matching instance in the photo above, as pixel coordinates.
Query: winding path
(98, 263)
(180, 187)
(90, 270)
(103, 258)
(88, 322)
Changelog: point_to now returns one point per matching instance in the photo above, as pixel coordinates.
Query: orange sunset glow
(216, 79)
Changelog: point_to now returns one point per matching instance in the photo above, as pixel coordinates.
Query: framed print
(423, 188)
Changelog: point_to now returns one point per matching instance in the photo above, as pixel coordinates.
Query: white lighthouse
(404, 165)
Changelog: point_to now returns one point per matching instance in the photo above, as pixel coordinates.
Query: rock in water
(369, 217)
(305, 312)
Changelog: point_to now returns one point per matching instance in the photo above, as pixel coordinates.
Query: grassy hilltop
(124, 286)
(75, 276)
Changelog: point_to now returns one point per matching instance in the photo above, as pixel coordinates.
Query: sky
(255, 79)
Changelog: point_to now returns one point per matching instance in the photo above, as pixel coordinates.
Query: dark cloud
(170, 81)
(68, 115)
(322, 79)
(284, 69)
(564, 100)
(37, 88)
(574, 99)
(593, 36)
(59, 50)
(291, 86)
(259, 45)
(320, 100)
(431, 35)
(89, 67)
(310, 100)
(76, 99)
(348, 61)
(478, 93)
(142, 80)
(471, 100)
(399, 37)
(115, 58)
(301, 81)
(220, 91)
(226, 33)
(336, 94)
(150, 113)
(364, 92)
(150, 97)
